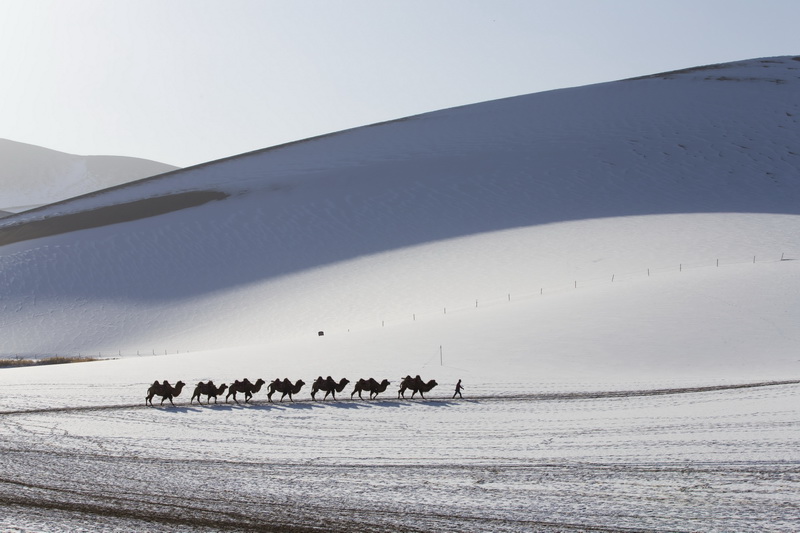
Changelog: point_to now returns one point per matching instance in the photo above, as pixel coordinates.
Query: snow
(612, 270)
(33, 176)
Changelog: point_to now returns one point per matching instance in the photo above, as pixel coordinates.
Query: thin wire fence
(474, 303)
(582, 283)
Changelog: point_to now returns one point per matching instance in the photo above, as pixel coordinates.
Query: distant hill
(31, 176)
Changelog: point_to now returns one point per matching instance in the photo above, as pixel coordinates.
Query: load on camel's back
(165, 390)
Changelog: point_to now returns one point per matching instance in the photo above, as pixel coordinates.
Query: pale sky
(189, 81)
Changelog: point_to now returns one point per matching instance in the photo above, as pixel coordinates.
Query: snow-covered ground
(613, 271)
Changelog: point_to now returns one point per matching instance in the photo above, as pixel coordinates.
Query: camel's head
(260, 381)
(432, 383)
(386, 382)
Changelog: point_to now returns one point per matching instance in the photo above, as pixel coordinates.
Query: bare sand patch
(107, 215)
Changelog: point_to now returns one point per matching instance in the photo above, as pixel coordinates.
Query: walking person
(459, 388)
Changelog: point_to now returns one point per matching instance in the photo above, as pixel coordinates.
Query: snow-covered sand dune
(613, 270)
(712, 142)
(32, 176)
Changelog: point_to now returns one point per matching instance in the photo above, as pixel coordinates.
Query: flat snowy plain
(613, 271)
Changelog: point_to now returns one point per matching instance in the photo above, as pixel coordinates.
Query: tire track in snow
(201, 516)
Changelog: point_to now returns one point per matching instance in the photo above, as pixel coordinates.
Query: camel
(246, 387)
(285, 387)
(370, 385)
(165, 390)
(329, 385)
(416, 385)
(405, 384)
(208, 389)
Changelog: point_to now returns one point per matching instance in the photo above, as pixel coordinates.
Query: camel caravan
(285, 387)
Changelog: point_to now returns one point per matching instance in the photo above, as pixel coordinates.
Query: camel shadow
(239, 406)
(345, 405)
(390, 403)
(438, 403)
(428, 402)
(177, 409)
(309, 405)
(300, 405)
